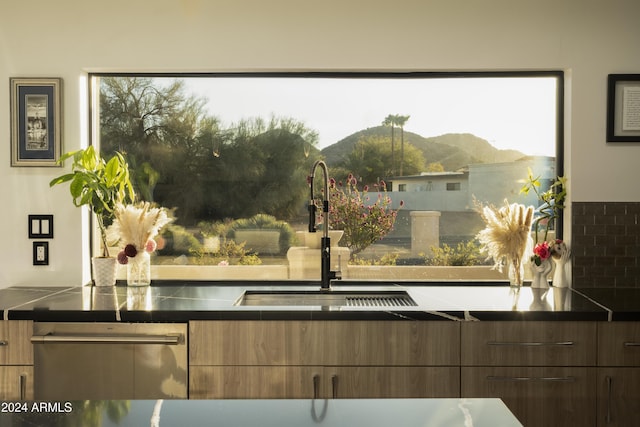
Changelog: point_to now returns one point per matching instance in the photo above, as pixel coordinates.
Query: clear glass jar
(139, 270)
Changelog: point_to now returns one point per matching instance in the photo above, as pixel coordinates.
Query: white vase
(104, 271)
(139, 270)
(561, 257)
(540, 273)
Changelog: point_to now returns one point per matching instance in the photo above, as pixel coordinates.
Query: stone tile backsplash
(606, 244)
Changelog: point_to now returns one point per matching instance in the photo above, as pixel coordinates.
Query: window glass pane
(230, 155)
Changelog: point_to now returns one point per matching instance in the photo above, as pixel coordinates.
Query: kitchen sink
(381, 299)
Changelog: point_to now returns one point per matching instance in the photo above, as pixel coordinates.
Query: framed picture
(623, 108)
(36, 120)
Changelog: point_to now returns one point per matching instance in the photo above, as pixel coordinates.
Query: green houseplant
(100, 185)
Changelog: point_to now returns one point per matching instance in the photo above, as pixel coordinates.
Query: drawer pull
(4, 343)
(531, 344)
(525, 379)
(316, 385)
(632, 344)
(22, 384)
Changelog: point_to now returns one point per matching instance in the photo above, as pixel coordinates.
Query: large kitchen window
(229, 154)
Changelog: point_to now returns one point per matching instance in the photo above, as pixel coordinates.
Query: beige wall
(67, 38)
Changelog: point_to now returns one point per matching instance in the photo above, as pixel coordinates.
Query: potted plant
(100, 185)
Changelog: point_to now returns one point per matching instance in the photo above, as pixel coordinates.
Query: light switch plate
(41, 226)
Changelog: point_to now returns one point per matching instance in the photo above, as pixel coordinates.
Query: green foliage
(230, 252)
(181, 157)
(97, 183)
(179, 241)
(464, 254)
(551, 201)
(387, 259)
(371, 159)
(265, 222)
(363, 220)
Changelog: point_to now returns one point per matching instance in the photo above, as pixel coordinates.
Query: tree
(390, 121)
(370, 159)
(181, 157)
(400, 122)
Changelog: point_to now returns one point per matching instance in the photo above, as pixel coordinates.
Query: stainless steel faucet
(325, 252)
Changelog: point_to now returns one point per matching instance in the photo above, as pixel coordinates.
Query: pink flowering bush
(351, 210)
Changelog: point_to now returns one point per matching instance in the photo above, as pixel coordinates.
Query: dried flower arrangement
(135, 226)
(505, 237)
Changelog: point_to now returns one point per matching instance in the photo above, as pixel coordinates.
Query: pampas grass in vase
(506, 237)
(135, 227)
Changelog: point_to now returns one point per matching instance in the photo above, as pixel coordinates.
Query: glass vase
(516, 272)
(139, 270)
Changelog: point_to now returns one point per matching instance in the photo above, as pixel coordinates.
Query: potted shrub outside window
(100, 185)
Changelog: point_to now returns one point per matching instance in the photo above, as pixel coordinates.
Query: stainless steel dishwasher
(110, 361)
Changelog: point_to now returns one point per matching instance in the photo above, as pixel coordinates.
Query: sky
(517, 113)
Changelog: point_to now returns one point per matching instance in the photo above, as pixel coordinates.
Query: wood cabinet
(619, 374)
(323, 359)
(543, 371)
(16, 360)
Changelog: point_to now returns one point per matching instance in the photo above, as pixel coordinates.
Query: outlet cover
(40, 253)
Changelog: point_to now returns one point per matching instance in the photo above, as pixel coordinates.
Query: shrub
(364, 223)
(265, 222)
(464, 254)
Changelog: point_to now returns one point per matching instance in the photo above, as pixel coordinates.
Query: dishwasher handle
(107, 339)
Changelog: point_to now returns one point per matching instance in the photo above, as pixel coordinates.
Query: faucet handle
(312, 217)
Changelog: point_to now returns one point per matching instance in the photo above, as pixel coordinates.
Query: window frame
(559, 75)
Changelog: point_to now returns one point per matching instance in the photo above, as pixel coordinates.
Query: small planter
(104, 271)
(314, 240)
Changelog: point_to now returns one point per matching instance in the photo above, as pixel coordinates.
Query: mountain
(453, 150)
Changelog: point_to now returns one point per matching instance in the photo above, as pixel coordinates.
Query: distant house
(453, 193)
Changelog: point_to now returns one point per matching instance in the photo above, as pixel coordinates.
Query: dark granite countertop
(181, 301)
(230, 413)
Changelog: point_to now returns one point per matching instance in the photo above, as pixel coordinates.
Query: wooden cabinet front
(346, 359)
(16, 360)
(537, 396)
(16, 382)
(618, 374)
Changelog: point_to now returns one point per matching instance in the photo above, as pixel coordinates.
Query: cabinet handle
(609, 385)
(524, 379)
(22, 384)
(530, 344)
(4, 343)
(334, 386)
(107, 339)
(632, 344)
(316, 384)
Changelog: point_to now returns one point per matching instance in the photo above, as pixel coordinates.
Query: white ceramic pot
(104, 271)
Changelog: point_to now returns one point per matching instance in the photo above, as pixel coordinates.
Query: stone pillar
(425, 232)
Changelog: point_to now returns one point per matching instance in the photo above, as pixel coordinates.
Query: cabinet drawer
(537, 396)
(528, 344)
(254, 382)
(15, 344)
(306, 343)
(619, 344)
(16, 382)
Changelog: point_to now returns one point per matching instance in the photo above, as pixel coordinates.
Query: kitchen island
(266, 413)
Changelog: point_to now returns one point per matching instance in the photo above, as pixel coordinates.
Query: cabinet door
(319, 343)
(15, 344)
(618, 397)
(528, 344)
(255, 382)
(16, 382)
(537, 396)
(619, 344)
(392, 382)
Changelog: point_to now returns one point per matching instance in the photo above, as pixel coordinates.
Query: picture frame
(623, 108)
(36, 121)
